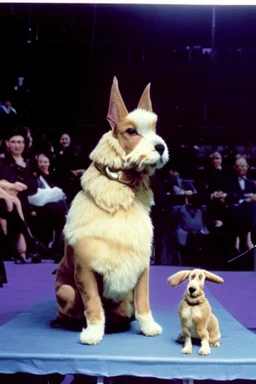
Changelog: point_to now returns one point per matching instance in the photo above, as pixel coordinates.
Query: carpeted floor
(32, 283)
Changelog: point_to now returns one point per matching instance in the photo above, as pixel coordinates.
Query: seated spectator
(70, 164)
(177, 185)
(220, 238)
(241, 194)
(49, 203)
(15, 168)
(212, 178)
(15, 233)
(215, 174)
(43, 144)
(191, 229)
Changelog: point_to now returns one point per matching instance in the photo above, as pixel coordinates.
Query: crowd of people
(209, 214)
(38, 181)
(204, 210)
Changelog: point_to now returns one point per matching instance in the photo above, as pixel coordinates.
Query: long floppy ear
(117, 109)
(145, 101)
(178, 278)
(213, 278)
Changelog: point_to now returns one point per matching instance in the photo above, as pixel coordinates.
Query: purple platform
(28, 303)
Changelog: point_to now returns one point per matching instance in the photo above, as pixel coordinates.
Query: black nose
(191, 290)
(160, 148)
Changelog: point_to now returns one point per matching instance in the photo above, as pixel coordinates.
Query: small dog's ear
(178, 278)
(213, 278)
(145, 101)
(117, 109)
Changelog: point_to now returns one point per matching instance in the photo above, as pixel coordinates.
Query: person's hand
(5, 184)
(218, 223)
(219, 195)
(12, 188)
(250, 197)
(188, 193)
(19, 187)
(8, 198)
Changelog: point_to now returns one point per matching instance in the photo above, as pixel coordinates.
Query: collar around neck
(192, 301)
(127, 177)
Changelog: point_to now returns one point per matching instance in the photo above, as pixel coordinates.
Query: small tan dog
(197, 319)
(104, 274)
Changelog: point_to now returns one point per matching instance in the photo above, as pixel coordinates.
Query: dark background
(68, 55)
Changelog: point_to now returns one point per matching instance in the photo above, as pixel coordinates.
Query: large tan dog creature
(104, 274)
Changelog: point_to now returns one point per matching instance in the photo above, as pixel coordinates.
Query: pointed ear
(145, 101)
(178, 278)
(117, 109)
(213, 278)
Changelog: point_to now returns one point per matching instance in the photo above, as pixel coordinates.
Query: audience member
(15, 233)
(241, 195)
(14, 168)
(215, 174)
(50, 204)
(8, 116)
(70, 164)
(191, 230)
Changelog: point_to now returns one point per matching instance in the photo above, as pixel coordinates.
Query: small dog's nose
(191, 289)
(160, 148)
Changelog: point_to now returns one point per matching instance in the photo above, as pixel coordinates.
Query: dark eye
(131, 131)
(192, 277)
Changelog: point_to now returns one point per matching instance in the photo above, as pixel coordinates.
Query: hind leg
(214, 339)
(69, 302)
(214, 332)
(70, 309)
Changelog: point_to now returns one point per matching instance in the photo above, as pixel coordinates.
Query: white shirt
(242, 182)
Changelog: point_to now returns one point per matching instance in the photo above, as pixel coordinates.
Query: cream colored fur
(197, 319)
(108, 230)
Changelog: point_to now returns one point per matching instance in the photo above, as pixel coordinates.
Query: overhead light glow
(157, 2)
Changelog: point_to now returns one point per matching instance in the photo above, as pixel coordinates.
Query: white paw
(216, 344)
(148, 326)
(152, 329)
(92, 334)
(187, 350)
(204, 351)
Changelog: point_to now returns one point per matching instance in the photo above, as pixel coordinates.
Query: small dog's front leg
(93, 310)
(204, 336)
(143, 314)
(187, 349)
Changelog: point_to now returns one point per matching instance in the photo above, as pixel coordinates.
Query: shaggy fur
(197, 319)
(103, 277)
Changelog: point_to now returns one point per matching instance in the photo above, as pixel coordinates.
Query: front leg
(187, 348)
(93, 311)
(202, 332)
(143, 314)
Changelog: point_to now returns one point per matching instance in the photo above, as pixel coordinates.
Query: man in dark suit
(241, 196)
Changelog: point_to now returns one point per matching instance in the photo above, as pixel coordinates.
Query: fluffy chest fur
(117, 218)
(190, 315)
(122, 279)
